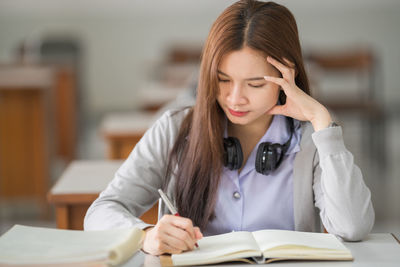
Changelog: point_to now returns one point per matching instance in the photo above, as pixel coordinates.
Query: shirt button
(236, 195)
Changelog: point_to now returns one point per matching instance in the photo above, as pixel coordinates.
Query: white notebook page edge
(268, 239)
(219, 246)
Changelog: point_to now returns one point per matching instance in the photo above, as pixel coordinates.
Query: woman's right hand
(172, 234)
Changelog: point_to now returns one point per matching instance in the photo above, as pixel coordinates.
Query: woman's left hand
(298, 104)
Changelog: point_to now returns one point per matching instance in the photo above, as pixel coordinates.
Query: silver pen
(167, 202)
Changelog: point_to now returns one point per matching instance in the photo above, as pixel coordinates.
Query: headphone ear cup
(266, 158)
(233, 156)
(272, 162)
(260, 158)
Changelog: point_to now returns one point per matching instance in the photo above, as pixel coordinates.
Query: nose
(236, 95)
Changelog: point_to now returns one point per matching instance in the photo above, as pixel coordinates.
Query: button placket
(238, 198)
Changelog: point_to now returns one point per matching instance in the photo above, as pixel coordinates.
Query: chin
(237, 120)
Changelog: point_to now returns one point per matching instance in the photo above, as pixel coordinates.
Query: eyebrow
(248, 79)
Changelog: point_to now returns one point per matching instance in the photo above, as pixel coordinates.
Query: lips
(237, 113)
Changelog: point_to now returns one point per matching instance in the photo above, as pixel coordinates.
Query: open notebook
(262, 246)
(26, 245)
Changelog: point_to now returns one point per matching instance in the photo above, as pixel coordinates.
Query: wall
(122, 39)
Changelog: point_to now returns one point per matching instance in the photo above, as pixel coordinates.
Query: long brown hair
(198, 151)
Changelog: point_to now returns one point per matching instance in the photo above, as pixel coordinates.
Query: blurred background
(80, 82)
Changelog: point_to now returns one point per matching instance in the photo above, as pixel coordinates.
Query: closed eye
(223, 80)
(256, 85)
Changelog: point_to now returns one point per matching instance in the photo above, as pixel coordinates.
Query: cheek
(265, 100)
(223, 88)
(274, 92)
(223, 91)
(271, 94)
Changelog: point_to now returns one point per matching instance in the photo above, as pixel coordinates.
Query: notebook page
(124, 247)
(224, 245)
(268, 239)
(36, 245)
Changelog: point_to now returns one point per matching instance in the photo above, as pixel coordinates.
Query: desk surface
(377, 250)
(79, 186)
(126, 123)
(86, 177)
(26, 77)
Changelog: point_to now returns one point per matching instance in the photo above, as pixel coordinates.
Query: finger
(290, 63)
(279, 81)
(292, 66)
(277, 110)
(198, 233)
(167, 248)
(172, 234)
(287, 72)
(185, 240)
(185, 224)
(174, 241)
(169, 225)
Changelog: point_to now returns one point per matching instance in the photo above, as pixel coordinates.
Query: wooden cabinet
(25, 133)
(37, 127)
(65, 112)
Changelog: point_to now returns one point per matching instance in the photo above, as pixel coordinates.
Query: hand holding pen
(171, 207)
(172, 234)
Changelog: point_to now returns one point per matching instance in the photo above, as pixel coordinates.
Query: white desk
(122, 131)
(78, 187)
(380, 250)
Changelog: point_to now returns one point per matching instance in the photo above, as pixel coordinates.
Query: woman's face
(244, 95)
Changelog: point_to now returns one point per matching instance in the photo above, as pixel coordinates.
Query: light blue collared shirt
(251, 201)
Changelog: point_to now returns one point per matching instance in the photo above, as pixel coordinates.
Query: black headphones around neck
(269, 155)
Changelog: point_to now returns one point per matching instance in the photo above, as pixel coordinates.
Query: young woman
(254, 152)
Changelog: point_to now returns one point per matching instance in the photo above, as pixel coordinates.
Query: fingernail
(266, 77)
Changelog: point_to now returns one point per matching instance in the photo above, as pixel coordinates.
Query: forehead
(246, 63)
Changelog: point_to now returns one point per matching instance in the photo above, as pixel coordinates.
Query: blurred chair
(361, 96)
